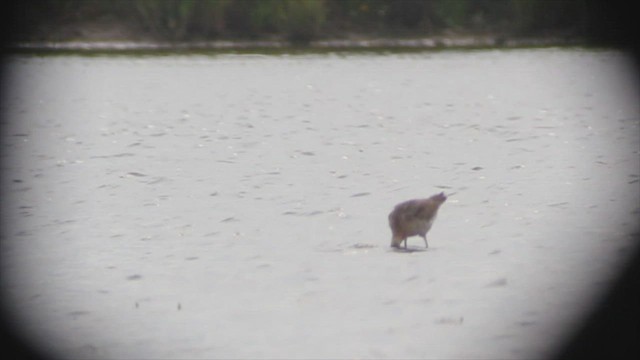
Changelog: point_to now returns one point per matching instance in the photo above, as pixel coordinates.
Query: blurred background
(302, 21)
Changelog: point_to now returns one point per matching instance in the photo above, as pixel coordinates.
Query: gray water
(235, 205)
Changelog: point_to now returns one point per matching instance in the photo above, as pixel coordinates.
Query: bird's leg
(425, 240)
(396, 241)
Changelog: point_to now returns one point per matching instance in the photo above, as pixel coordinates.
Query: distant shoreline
(364, 44)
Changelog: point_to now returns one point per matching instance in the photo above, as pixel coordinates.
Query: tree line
(305, 20)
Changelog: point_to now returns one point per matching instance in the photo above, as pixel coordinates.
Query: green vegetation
(299, 21)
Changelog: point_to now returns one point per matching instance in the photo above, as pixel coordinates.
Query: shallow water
(236, 206)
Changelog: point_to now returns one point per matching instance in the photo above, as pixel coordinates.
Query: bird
(414, 217)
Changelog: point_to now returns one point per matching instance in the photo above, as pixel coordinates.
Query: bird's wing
(409, 209)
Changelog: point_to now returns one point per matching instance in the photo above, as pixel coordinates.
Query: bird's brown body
(414, 217)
